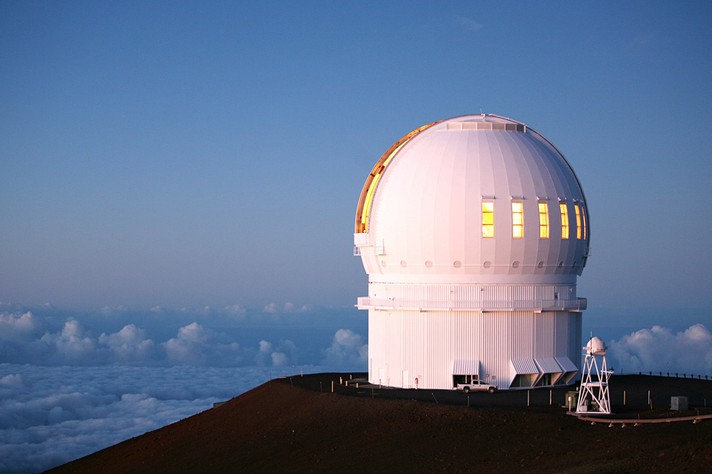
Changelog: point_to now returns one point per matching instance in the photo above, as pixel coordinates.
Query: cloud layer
(347, 350)
(660, 349)
(71, 385)
(208, 340)
(51, 415)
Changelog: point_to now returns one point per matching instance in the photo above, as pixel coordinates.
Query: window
(583, 219)
(577, 210)
(517, 219)
(487, 219)
(543, 220)
(564, 220)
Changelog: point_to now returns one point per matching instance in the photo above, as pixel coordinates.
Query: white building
(473, 231)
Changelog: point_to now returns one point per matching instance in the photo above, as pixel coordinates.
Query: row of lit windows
(544, 227)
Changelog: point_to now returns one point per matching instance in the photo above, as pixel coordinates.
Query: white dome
(424, 208)
(595, 346)
(472, 231)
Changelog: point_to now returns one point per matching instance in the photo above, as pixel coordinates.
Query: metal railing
(575, 304)
(681, 375)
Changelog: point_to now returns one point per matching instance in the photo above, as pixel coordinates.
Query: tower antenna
(594, 395)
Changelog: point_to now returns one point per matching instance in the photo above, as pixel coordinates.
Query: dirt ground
(298, 425)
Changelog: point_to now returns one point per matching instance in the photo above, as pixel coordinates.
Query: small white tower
(594, 397)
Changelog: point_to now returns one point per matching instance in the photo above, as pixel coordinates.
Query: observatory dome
(475, 198)
(473, 231)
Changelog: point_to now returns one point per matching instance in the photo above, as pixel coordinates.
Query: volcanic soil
(290, 425)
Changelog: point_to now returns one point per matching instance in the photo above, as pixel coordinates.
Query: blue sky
(189, 154)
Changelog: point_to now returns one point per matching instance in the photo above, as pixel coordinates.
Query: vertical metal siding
(424, 344)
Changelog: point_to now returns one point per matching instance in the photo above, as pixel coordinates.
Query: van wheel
(466, 389)
(491, 390)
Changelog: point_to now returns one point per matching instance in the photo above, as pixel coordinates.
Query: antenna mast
(594, 396)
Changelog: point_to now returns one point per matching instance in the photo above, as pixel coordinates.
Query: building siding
(425, 344)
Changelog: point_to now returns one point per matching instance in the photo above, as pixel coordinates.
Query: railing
(680, 375)
(576, 304)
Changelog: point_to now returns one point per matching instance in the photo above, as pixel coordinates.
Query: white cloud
(188, 346)
(193, 333)
(279, 359)
(49, 339)
(659, 349)
(264, 353)
(267, 354)
(288, 307)
(17, 332)
(129, 344)
(71, 343)
(469, 24)
(13, 381)
(265, 346)
(12, 324)
(347, 350)
(235, 309)
(197, 345)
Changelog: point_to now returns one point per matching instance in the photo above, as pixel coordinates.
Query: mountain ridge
(283, 426)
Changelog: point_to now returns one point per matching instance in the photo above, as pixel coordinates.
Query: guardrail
(677, 374)
(576, 304)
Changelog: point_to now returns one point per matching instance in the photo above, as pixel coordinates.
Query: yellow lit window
(583, 220)
(517, 220)
(564, 220)
(487, 219)
(578, 221)
(543, 220)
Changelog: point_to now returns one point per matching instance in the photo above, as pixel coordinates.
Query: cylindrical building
(472, 231)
